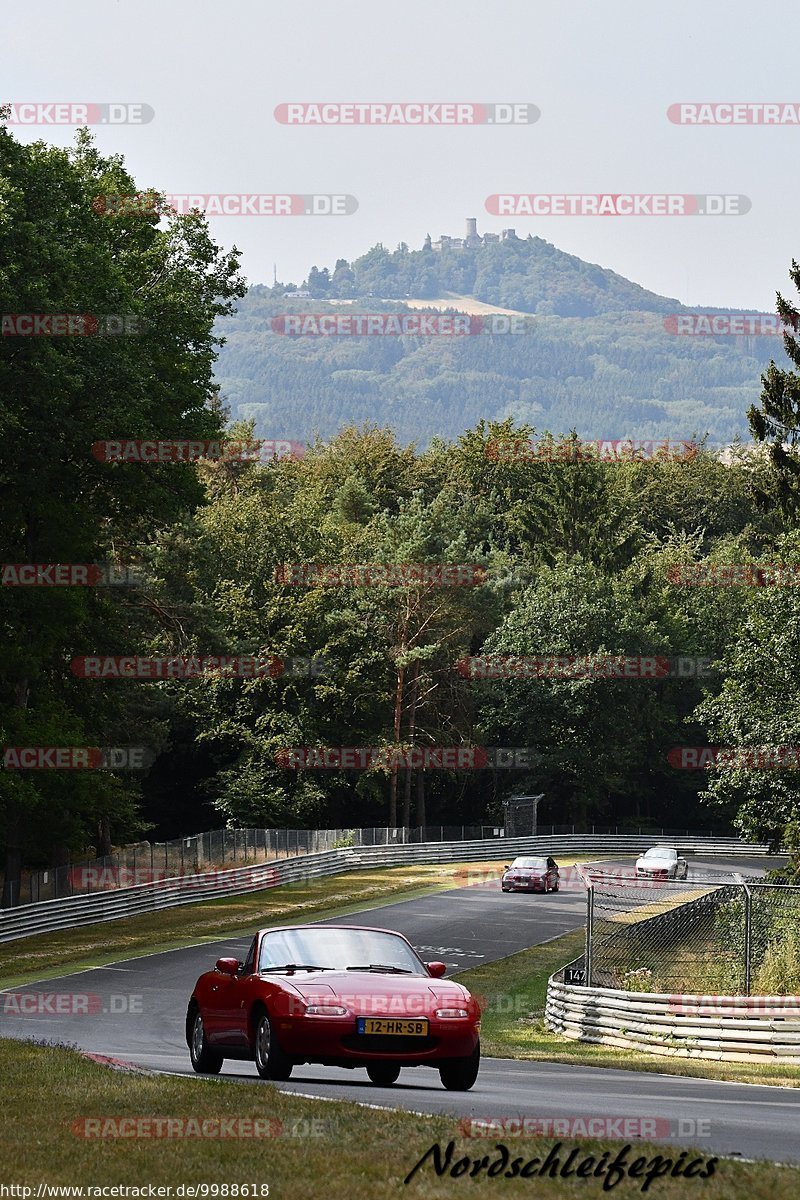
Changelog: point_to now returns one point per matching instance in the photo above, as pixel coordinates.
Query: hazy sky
(602, 72)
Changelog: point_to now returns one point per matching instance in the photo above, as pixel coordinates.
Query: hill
(596, 353)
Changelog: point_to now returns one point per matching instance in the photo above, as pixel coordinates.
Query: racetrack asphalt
(136, 1010)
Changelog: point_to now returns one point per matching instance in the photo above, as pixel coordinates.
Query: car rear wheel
(383, 1074)
(204, 1060)
(271, 1062)
(555, 886)
(459, 1074)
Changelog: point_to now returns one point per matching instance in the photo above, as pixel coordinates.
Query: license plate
(389, 1025)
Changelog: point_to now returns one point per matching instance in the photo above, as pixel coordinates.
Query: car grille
(388, 1043)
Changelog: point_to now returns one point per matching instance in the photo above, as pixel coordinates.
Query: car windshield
(331, 948)
(538, 864)
(660, 852)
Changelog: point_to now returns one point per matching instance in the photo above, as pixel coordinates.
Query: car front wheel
(459, 1074)
(204, 1060)
(271, 1062)
(383, 1073)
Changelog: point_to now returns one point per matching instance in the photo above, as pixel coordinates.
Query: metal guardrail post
(748, 929)
(589, 931)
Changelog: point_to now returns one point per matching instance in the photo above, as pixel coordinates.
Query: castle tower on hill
(472, 239)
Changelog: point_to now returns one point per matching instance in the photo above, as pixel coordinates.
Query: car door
(552, 872)
(233, 993)
(211, 1004)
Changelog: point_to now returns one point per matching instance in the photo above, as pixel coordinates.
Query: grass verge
(514, 991)
(336, 1149)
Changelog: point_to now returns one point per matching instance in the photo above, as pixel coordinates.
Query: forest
(595, 351)
(367, 572)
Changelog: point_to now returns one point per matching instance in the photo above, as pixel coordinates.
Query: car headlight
(326, 1010)
(449, 1014)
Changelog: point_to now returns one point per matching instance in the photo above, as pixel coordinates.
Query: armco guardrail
(74, 911)
(725, 1028)
(216, 849)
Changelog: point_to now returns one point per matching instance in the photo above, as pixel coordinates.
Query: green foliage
(775, 421)
(577, 555)
(532, 272)
(640, 979)
(595, 354)
(779, 972)
(59, 395)
(790, 842)
(759, 703)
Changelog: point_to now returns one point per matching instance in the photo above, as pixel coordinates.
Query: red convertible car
(342, 996)
(531, 873)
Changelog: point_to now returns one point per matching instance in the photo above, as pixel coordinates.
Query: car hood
(363, 991)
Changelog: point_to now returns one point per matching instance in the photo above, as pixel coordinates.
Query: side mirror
(507, 867)
(227, 966)
(436, 969)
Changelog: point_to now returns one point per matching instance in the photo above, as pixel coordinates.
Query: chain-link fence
(224, 848)
(218, 849)
(718, 934)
